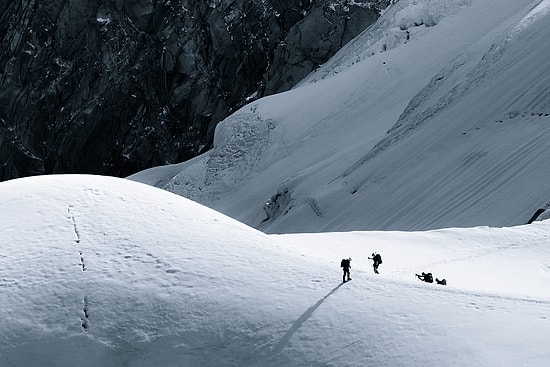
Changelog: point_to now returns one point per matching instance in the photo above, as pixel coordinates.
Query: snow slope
(436, 116)
(98, 271)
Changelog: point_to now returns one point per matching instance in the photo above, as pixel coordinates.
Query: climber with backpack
(377, 260)
(426, 277)
(345, 264)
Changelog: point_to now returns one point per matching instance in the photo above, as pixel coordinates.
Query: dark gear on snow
(441, 281)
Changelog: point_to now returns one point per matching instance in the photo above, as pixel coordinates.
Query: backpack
(441, 281)
(379, 258)
(345, 263)
(428, 278)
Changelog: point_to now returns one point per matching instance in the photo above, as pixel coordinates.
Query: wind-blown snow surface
(436, 116)
(98, 271)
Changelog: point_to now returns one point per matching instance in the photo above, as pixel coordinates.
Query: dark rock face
(116, 86)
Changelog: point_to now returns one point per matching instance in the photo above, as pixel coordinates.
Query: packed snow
(98, 271)
(436, 116)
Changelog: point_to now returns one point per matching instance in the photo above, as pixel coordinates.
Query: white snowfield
(436, 116)
(98, 271)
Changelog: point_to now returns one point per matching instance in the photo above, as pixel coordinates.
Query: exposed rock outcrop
(113, 87)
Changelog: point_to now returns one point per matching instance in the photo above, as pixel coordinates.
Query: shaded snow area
(98, 271)
(436, 116)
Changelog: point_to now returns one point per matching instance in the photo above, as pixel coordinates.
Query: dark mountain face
(116, 86)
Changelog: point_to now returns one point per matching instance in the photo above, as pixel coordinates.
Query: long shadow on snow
(301, 320)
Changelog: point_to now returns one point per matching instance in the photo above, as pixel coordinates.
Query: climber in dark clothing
(426, 277)
(345, 264)
(377, 260)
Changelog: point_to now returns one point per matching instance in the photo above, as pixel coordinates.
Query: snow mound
(98, 271)
(103, 271)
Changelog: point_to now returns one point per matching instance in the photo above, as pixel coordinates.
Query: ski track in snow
(84, 319)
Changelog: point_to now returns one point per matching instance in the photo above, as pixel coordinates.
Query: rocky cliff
(116, 86)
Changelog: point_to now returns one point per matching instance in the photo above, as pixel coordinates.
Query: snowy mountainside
(100, 271)
(116, 87)
(436, 116)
